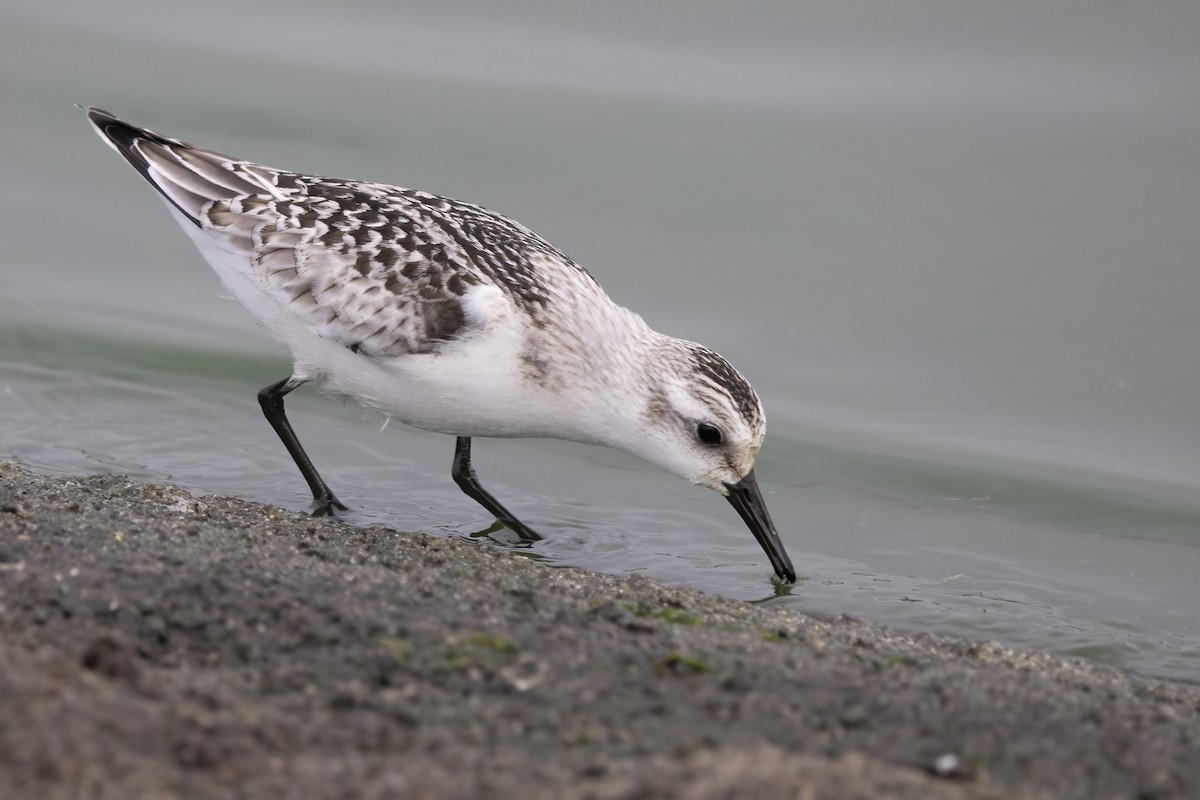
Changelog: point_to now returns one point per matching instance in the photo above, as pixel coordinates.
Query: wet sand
(159, 645)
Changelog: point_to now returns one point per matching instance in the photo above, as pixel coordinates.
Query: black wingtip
(124, 138)
(96, 114)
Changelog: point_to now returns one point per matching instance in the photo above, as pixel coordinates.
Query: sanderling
(452, 318)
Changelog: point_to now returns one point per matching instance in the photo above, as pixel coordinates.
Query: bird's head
(701, 420)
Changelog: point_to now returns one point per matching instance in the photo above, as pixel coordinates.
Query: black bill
(748, 500)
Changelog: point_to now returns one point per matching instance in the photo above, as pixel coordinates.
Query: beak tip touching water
(746, 497)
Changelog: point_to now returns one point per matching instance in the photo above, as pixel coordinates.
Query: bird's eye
(708, 434)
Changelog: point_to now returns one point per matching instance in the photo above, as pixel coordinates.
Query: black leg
(466, 479)
(271, 400)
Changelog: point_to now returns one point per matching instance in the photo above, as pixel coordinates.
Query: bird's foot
(326, 506)
(523, 532)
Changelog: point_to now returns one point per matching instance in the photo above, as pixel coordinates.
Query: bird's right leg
(271, 400)
(464, 476)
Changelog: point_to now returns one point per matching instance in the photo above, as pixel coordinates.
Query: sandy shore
(160, 645)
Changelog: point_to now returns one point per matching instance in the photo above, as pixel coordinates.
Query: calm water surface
(954, 247)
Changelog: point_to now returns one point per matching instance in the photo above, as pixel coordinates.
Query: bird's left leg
(271, 400)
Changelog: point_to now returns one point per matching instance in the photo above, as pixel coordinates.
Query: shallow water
(954, 249)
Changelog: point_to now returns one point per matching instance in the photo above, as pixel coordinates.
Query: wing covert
(348, 268)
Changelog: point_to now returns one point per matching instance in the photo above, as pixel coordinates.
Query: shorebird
(451, 318)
